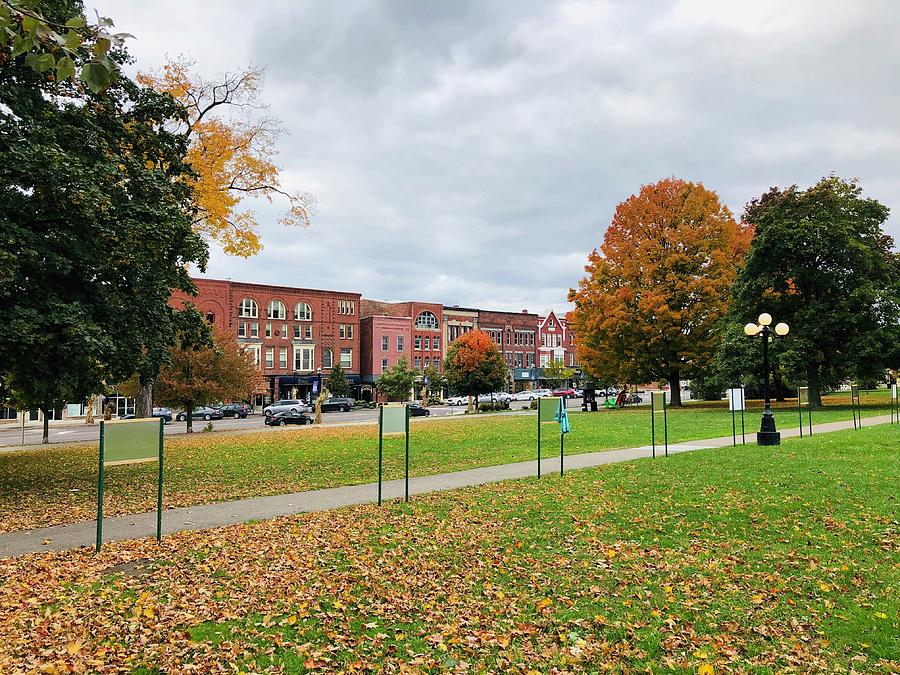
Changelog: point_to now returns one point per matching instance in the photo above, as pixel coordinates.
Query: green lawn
(53, 486)
(752, 559)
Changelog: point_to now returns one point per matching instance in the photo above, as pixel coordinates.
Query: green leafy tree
(821, 262)
(195, 377)
(397, 381)
(555, 373)
(95, 233)
(474, 365)
(436, 381)
(55, 40)
(336, 382)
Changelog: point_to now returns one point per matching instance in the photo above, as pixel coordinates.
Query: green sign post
(551, 410)
(895, 402)
(803, 400)
(657, 405)
(736, 402)
(130, 442)
(393, 420)
(854, 405)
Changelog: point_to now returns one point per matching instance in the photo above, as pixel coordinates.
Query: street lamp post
(768, 435)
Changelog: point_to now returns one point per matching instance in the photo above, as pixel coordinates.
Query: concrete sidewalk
(260, 508)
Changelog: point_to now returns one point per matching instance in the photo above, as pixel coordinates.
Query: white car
(457, 400)
(533, 394)
(285, 405)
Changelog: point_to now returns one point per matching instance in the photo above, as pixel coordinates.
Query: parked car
(284, 417)
(579, 393)
(565, 392)
(457, 400)
(235, 410)
(533, 394)
(283, 405)
(202, 413)
(416, 410)
(338, 403)
(165, 413)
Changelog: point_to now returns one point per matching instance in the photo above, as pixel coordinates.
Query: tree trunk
(778, 385)
(89, 416)
(46, 437)
(189, 413)
(144, 406)
(675, 390)
(471, 406)
(815, 387)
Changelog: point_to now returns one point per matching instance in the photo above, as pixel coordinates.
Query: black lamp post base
(768, 438)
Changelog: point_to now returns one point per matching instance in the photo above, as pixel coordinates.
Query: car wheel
(531, 398)
(281, 423)
(237, 416)
(427, 413)
(267, 413)
(345, 409)
(207, 417)
(293, 410)
(181, 418)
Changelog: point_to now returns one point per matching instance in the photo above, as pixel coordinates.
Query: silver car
(285, 405)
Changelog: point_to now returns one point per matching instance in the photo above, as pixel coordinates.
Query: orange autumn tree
(232, 152)
(474, 365)
(649, 306)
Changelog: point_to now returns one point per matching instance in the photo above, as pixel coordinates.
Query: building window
(545, 360)
(418, 363)
(341, 331)
(282, 358)
(384, 343)
(308, 331)
(284, 331)
(518, 359)
(349, 331)
(270, 357)
(427, 362)
(436, 343)
(242, 329)
(254, 329)
(417, 342)
(436, 362)
(508, 335)
(302, 312)
(426, 321)
(427, 343)
(268, 330)
(399, 343)
(384, 365)
(275, 310)
(253, 350)
(303, 358)
(327, 358)
(210, 317)
(346, 307)
(249, 309)
(296, 331)
(346, 357)
(529, 360)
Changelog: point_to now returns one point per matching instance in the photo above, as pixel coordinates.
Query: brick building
(515, 334)
(557, 342)
(295, 335)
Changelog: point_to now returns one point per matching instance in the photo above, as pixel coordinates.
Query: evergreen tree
(336, 382)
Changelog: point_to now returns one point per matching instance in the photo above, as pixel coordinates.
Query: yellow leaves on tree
(231, 152)
(649, 305)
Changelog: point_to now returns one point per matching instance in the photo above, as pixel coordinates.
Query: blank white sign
(736, 399)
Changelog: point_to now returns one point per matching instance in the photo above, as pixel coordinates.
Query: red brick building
(424, 320)
(295, 335)
(515, 334)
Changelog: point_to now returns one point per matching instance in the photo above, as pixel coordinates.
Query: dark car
(202, 413)
(288, 417)
(338, 403)
(416, 410)
(235, 410)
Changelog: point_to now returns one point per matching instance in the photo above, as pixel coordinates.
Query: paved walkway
(260, 508)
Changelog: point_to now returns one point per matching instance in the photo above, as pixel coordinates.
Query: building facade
(295, 335)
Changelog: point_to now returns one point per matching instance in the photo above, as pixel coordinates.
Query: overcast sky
(473, 153)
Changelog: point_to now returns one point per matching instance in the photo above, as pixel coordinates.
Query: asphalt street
(11, 435)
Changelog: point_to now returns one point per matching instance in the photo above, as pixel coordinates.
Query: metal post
(666, 423)
(768, 435)
(733, 423)
(562, 436)
(100, 478)
(406, 491)
(652, 426)
(743, 405)
(539, 438)
(159, 489)
(800, 411)
(380, 447)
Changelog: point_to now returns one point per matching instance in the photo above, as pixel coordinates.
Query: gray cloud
(474, 152)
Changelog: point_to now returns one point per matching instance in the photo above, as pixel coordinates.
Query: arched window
(426, 320)
(249, 309)
(275, 310)
(302, 312)
(327, 358)
(427, 362)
